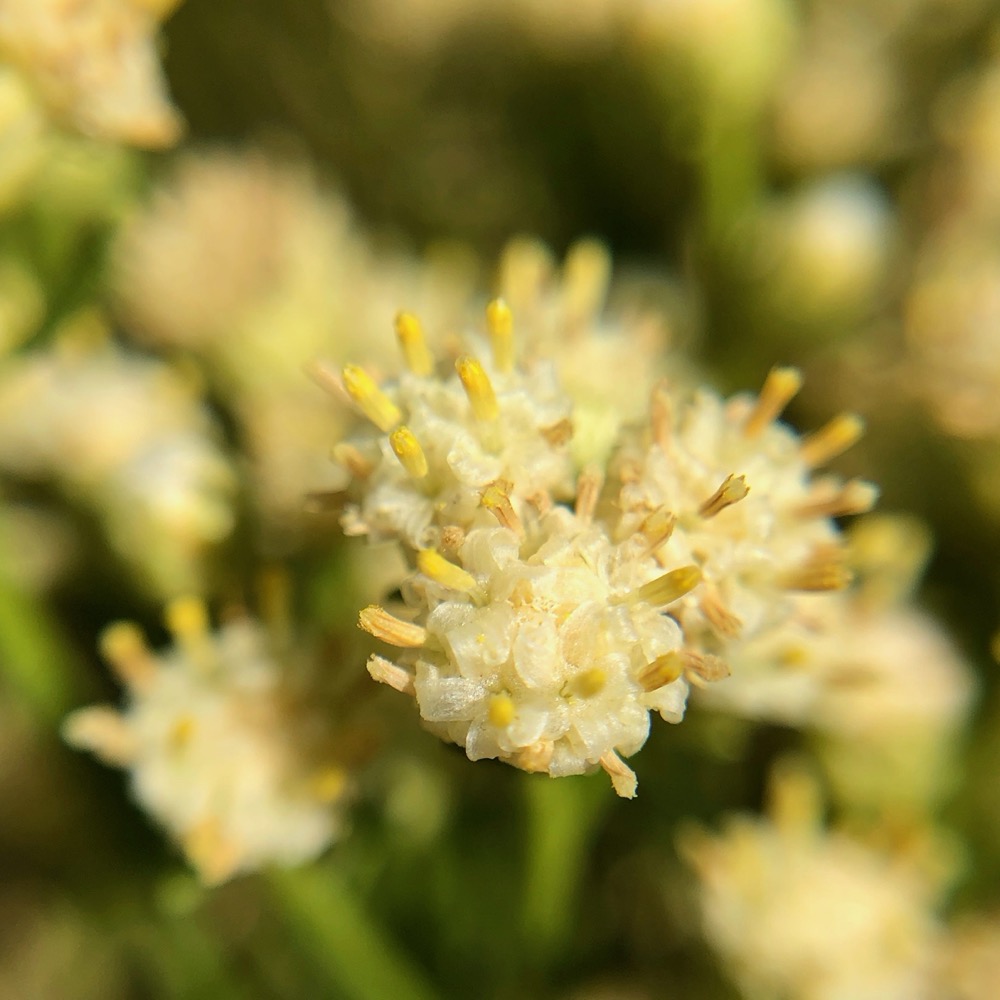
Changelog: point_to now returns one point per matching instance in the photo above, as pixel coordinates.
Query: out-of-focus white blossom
(128, 437)
(221, 750)
(801, 913)
(94, 64)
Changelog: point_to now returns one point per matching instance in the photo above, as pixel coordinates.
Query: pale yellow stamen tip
(586, 275)
(500, 323)
(663, 670)
(588, 492)
(501, 710)
(386, 672)
(350, 457)
(733, 489)
(779, 388)
(411, 340)
(661, 415)
(496, 499)
(590, 682)
(123, 645)
(832, 439)
(187, 618)
(558, 433)
(623, 778)
(378, 622)
(666, 588)
(434, 565)
(407, 449)
(855, 497)
(794, 798)
(369, 398)
(657, 528)
(478, 388)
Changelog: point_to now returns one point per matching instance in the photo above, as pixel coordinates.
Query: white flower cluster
(549, 610)
(95, 64)
(799, 911)
(128, 437)
(219, 751)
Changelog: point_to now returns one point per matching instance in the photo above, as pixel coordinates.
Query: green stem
(562, 819)
(34, 659)
(343, 940)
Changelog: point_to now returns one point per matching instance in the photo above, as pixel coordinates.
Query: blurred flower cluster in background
(628, 371)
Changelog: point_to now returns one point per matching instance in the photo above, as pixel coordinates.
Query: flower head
(218, 750)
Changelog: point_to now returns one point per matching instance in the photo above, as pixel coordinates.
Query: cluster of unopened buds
(549, 608)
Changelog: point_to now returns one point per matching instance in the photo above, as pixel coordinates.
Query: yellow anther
(496, 499)
(407, 449)
(478, 388)
(585, 278)
(663, 670)
(123, 645)
(832, 439)
(666, 588)
(853, 497)
(824, 570)
(351, 458)
(779, 388)
(590, 682)
(434, 565)
(501, 710)
(500, 322)
(559, 433)
(378, 622)
(187, 618)
(588, 492)
(411, 339)
(369, 398)
(657, 528)
(733, 489)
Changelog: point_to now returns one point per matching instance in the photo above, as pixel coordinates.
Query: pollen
(407, 449)
(378, 622)
(410, 334)
(500, 323)
(478, 388)
(369, 398)
(780, 387)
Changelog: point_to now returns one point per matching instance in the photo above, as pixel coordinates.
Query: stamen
(558, 433)
(664, 589)
(824, 570)
(662, 671)
(733, 489)
(585, 279)
(588, 491)
(351, 458)
(187, 620)
(779, 389)
(500, 323)
(541, 500)
(386, 672)
(123, 645)
(701, 669)
(370, 399)
(378, 622)
(657, 528)
(794, 798)
(501, 710)
(478, 388)
(854, 497)
(410, 334)
(832, 439)
(622, 777)
(496, 499)
(323, 501)
(407, 449)
(661, 413)
(434, 565)
(725, 623)
(102, 731)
